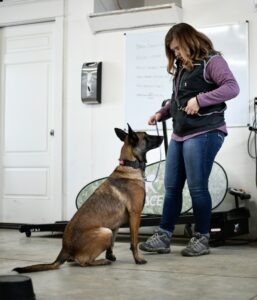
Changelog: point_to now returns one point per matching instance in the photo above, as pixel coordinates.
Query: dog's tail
(61, 258)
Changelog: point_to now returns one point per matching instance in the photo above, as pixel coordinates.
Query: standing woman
(202, 82)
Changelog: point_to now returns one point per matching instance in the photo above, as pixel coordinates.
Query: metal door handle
(52, 132)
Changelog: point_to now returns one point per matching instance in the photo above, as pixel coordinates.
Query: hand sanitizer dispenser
(91, 79)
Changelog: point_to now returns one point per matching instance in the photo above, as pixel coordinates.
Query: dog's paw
(110, 256)
(140, 261)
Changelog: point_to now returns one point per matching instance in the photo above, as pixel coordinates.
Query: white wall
(92, 148)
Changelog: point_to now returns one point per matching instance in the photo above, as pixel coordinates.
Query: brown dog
(118, 200)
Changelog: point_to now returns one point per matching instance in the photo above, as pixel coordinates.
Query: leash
(160, 160)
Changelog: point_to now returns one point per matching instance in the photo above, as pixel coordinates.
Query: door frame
(47, 11)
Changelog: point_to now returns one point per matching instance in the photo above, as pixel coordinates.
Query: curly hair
(194, 45)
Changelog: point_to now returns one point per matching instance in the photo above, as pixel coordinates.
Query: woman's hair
(193, 45)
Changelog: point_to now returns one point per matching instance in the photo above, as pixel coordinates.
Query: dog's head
(139, 142)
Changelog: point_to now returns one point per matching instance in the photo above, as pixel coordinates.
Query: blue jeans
(190, 160)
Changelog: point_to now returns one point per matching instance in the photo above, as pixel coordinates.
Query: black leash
(160, 160)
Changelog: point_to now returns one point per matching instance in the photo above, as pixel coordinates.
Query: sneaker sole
(191, 254)
(160, 250)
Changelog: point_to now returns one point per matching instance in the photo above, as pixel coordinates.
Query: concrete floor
(230, 272)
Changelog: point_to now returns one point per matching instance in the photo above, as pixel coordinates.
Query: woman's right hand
(153, 119)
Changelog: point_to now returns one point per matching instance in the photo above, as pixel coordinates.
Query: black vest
(186, 85)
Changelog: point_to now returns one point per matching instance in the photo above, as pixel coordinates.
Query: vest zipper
(177, 85)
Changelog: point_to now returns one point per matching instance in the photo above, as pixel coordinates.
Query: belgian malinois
(118, 200)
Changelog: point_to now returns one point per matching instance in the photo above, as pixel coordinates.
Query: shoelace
(194, 242)
(154, 237)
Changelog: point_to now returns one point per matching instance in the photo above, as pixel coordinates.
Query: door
(30, 182)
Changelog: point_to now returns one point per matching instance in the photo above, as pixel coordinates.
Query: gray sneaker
(159, 242)
(198, 245)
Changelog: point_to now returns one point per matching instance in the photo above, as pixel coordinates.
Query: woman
(202, 82)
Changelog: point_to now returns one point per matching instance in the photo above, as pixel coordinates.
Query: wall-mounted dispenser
(91, 80)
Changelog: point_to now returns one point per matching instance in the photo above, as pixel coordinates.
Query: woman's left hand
(192, 107)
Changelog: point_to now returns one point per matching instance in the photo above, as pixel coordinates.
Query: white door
(30, 182)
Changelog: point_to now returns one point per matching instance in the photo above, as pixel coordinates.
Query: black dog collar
(134, 164)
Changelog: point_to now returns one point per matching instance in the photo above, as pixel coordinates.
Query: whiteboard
(147, 82)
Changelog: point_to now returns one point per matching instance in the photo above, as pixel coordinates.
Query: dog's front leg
(109, 252)
(134, 220)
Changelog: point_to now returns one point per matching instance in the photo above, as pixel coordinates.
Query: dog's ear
(120, 134)
(133, 138)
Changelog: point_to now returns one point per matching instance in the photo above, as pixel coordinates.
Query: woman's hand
(192, 107)
(153, 119)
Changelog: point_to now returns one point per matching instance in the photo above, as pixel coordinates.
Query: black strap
(133, 163)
